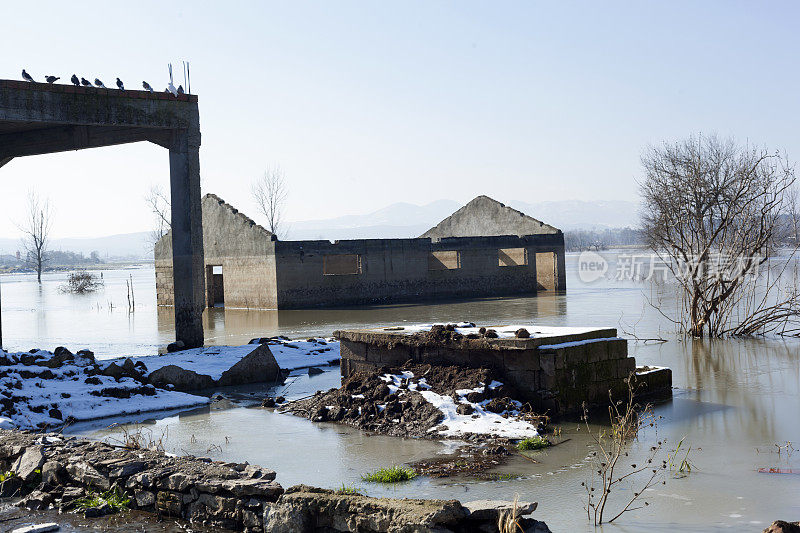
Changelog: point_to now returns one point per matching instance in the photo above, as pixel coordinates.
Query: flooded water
(735, 401)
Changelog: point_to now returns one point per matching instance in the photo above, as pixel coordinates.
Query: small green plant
(393, 474)
(533, 443)
(685, 466)
(8, 474)
(115, 499)
(349, 490)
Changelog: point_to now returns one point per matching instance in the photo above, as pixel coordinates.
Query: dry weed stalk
(610, 464)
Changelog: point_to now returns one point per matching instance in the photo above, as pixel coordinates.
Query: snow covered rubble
(475, 419)
(424, 401)
(40, 388)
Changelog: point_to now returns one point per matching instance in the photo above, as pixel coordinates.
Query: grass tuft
(349, 491)
(534, 443)
(7, 475)
(393, 474)
(115, 499)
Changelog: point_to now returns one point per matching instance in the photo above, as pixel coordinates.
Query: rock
(144, 498)
(38, 528)
(183, 380)
(780, 526)
(465, 409)
(54, 474)
(268, 402)
(55, 413)
(490, 334)
(60, 356)
(522, 333)
(305, 508)
(175, 346)
(87, 475)
(29, 462)
(264, 488)
(11, 487)
(492, 509)
(280, 399)
(36, 501)
(84, 358)
(315, 371)
(97, 512)
(93, 381)
(169, 504)
(258, 366)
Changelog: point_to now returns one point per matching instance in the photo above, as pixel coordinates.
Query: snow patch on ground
(43, 396)
(214, 360)
(481, 421)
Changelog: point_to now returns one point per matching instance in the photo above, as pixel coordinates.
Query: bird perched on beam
(147, 86)
(171, 89)
(99, 83)
(120, 86)
(180, 89)
(75, 81)
(85, 82)
(52, 79)
(26, 76)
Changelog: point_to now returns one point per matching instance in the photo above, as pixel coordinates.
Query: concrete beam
(50, 140)
(187, 238)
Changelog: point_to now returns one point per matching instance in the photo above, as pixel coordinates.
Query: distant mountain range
(402, 220)
(126, 245)
(399, 220)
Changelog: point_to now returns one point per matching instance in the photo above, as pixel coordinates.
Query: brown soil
(365, 401)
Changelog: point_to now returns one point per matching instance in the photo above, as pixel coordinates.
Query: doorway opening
(216, 286)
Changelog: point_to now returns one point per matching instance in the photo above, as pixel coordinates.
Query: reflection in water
(735, 399)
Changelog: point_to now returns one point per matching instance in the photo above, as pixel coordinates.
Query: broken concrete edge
(390, 339)
(236, 496)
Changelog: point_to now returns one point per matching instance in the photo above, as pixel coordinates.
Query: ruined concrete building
(483, 249)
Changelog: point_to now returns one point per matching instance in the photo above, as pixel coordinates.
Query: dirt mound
(390, 401)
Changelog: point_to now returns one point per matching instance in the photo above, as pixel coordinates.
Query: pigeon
(147, 86)
(99, 83)
(171, 89)
(26, 76)
(120, 86)
(180, 89)
(52, 79)
(85, 82)
(75, 81)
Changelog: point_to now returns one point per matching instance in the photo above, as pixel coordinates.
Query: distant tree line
(581, 240)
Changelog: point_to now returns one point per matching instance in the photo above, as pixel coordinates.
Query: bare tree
(36, 228)
(269, 193)
(715, 212)
(160, 206)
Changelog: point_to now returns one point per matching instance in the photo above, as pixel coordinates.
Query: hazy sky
(367, 103)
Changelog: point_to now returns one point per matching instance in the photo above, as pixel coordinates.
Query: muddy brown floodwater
(735, 402)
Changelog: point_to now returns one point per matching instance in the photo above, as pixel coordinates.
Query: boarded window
(341, 264)
(444, 260)
(512, 257)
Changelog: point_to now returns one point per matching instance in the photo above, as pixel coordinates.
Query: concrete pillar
(187, 238)
(561, 269)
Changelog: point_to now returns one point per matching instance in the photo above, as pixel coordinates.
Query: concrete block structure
(40, 118)
(248, 267)
(555, 369)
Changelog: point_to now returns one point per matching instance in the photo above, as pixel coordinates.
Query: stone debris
(305, 509)
(37, 528)
(392, 401)
(234, 496)
(213, 493)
